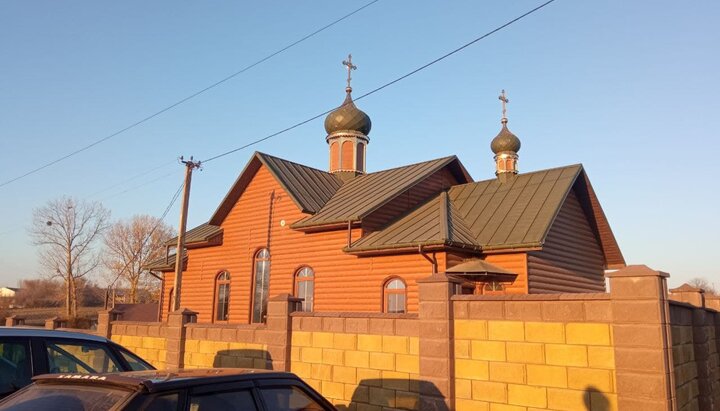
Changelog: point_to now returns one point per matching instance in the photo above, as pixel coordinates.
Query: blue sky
(629, 89)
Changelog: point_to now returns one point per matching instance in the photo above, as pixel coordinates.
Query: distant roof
(11, 288)
(366, 193)
(476, 269)
(137, 312)
(308, 187)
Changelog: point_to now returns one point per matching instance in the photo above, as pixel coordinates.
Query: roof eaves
(413, 246)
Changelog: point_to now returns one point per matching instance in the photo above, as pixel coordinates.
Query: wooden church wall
(571, 259)
(342, 282)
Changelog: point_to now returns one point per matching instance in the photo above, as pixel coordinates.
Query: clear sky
(628, 88)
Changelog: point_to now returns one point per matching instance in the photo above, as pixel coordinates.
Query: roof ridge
(260, 153)
(529, 173)
(451, 157)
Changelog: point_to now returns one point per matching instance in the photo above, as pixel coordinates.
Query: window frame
(296, 286)
(266, 289)
(216, 296)
(386, 292)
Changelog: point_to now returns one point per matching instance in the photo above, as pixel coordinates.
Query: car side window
(15, 365)
(241, 400)
(79, 357)
(288, 398)
(135, 363)
(165, 402)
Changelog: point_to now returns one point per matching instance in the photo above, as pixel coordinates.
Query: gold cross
(504, 100)
(348, 63)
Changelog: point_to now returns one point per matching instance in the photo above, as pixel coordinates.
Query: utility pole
(190, 165)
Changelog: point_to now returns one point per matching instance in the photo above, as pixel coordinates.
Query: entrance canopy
(481, 271)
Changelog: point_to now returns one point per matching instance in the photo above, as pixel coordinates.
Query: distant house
(8, 292)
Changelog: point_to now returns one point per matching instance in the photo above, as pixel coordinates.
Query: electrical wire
(152, 231)
(162, 177)
(371, 92)
(134, 177)
(191, 96)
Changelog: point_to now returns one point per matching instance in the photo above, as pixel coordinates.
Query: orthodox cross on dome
(504, 100)
(350, 67)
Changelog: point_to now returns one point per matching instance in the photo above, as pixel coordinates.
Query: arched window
(261, 285)
(334, 156)
(346, 162)
(394, 296)
(222, 296)
(360, 157)
(305, 287)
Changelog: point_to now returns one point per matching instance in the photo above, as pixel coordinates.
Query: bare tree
(131, 244)
(704, 284)
(67, 230)
(40, 293)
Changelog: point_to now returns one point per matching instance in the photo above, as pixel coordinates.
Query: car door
(15, 364)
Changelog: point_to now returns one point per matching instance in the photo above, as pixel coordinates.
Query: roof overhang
(413, 248)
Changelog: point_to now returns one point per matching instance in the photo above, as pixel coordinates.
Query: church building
(345, 239)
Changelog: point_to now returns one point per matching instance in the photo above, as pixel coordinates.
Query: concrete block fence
(638, 347)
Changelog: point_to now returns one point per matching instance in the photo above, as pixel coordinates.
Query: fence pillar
(437, 342)
(14, 321)
(104, 322)
(688, 294)
(279, 327)
(175, 357)
(53, 323)
(641, 334)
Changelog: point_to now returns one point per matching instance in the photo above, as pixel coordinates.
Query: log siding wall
(572, 259)
(251, 225)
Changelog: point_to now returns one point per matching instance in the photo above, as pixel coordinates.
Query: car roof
(161, 380)
(43, 333)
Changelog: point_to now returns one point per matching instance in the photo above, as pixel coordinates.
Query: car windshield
(64, 397)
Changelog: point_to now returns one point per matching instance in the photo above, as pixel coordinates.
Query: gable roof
(308, 187)
(517, 213)
(200, 234)
(436, 222)
(493, 215)
(366, 193)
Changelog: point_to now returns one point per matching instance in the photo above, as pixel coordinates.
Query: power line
(423, 67)
(191, 96)
(152, 231)
(134, 177)
(162, 177)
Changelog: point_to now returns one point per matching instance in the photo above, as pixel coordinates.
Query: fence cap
(637, 271)
(687, 288)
